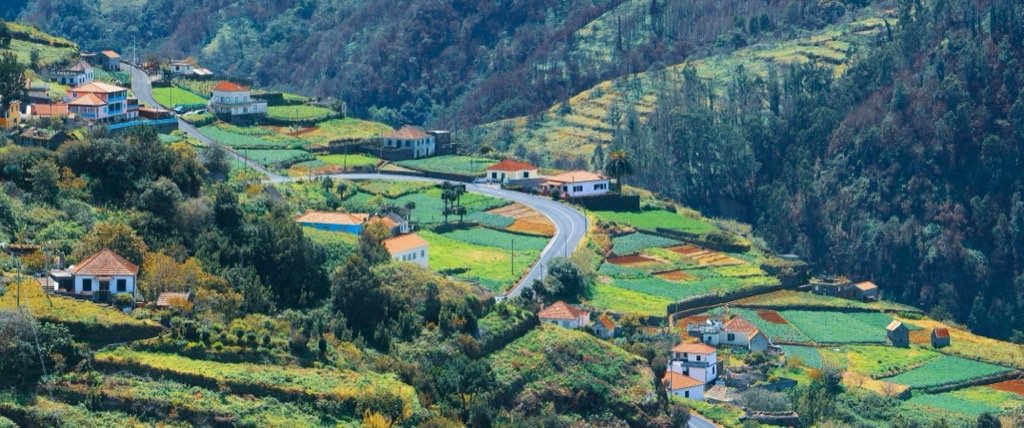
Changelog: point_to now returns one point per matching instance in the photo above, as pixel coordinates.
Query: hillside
(451, 64)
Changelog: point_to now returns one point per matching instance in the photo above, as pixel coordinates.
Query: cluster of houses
(402, 245)
(864, 291)
(568, 316)
(567, 184)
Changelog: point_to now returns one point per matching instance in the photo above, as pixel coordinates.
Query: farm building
(565, 315)
(509, 169)
(108, 60)
(407, 143)
(940, 337)
(604, 327)
(576, 183)
(684, 386)
(409, 248)
(334, 221)
(757, 341)
(897, 334)
(99, 277)
(696, 360)
(864, 291)
(230, 99)
(835, 287)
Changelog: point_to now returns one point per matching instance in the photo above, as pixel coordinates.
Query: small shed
(757, 341)
(864, 291)
(164, 300)
(940, 337)
(604, 327)
(897, 334)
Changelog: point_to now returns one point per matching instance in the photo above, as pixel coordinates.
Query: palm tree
(619, 164)
(409, 207)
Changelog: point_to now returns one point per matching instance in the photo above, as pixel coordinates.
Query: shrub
(298, 342)
(123, 300)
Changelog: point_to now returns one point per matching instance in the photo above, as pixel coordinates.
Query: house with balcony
(697, 360)
(102, 102)
(407, 143)
(76, 74)
(234, 100)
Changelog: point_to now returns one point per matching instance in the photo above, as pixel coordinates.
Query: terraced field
(838, 327)
(526, 219)
(946, 370)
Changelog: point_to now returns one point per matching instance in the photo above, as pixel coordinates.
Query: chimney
(726, 313)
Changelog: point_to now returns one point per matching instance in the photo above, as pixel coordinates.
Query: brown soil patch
(771, 316)
(545, 227)
(1015, 386)
(676, 275)
(921, 337)
(527, 220)
(303, 131)
(704, 256)
(631, 260)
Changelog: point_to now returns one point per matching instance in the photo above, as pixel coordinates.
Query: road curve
(698, 421)
(570, 224)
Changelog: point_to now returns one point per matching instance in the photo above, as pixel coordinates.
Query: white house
(182, 68)
(565, 315)
(576, 183)
(508, 169)
(231, 99)
(736, 332)
(104, 274)
(76, 74)
(696, 360)
(409, 248)
(409, 142)
(683, 386)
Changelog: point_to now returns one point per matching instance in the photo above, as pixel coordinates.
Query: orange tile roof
(754, 333)
(98, 88)
(738, 324)
(694, 348)
(47, 110)
(561, 311)
(324, 217)
(674, 381)
(388, 223)
(88, 100)
(403, 243)
(941, 332)
(576, 177)
(606, 322)
(408, 133)
(105, 263)
(511, 165)
(226, 86)
(164, 299)
(866, 285)
(110, 54)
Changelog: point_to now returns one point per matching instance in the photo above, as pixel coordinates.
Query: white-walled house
(736, 332)
(409, 248)
(409, 142)
(683, 386)
(232, 99)
(76, 74)
(696, 360)
(102, 275)
(576, 183)
(565, 315)
(508, 170)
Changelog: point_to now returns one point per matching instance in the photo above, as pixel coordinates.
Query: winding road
(570, 224)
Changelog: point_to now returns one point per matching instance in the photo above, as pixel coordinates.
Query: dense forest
(906, 170)
(448, 64)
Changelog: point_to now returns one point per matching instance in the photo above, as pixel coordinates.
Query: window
(698, 358)
(122, 285)
(526, 174)
(494, 176)
(577, 188)
(686, 394)
(731, 337)
(685, 356)
(423, 253)
(86, 285)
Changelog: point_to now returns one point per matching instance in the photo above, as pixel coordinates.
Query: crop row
(839, 327)
(634, 242)
(498, 239)
(946, 370)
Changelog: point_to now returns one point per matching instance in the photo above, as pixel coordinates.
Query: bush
(298, 342)
(124, 300)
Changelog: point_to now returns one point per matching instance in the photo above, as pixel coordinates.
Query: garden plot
(525, 219)
(634, 242)
(675, 275)
(638, 261)
(946, 370)
(705, 257)
(971, 401)
(1015, 386)
(839, 327)
(807, 354)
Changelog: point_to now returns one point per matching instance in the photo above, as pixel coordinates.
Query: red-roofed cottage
(509, 169)
(409, 248)
(604, 327)
(576, 183)
(565, 315)
(940, 337)
(100, 276)
(230, 99)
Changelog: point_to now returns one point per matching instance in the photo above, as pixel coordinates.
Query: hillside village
(522, 291)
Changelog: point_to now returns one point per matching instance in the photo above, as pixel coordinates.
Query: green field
(809, 355)
(634, 242)
(346, 128)
(272, 158)
(393, 188)
(45, 412)
(498, 239)
(120, 78)
(172, 96)
(451, 164)
(946, 370)
(973, 401)
(338, 245)
(48, 55)
(491, 220)
(344, 386)
(651, 220)
(250, 137)
(491, 266)
(789, 298)
(621, 300)
(429, 205)
(878, 361)
(299, 112)
(352, 160)
(838, 327)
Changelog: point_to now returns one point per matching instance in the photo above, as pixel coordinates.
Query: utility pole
(513, 258)
(135, 52)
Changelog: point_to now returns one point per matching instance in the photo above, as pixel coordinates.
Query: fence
(157, 123)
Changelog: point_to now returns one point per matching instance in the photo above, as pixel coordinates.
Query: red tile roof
(98, 88)
(323, 217)
(606, 322)
(110, 54)
(387, 222)
(561, 311)
(408, 133)
(403, 243)
(674, 381)
(105, 263)
(738, 324)
(511, 165)
(694, 348)
(88, 100)
(226, 86)
(755, 333)
(941, 332)
(576, 177)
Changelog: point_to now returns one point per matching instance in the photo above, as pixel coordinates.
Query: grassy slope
(492, 266)
(577, 133)
(172, 96)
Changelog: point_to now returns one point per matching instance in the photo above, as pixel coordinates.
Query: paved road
(570, 224)
(697, 421)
